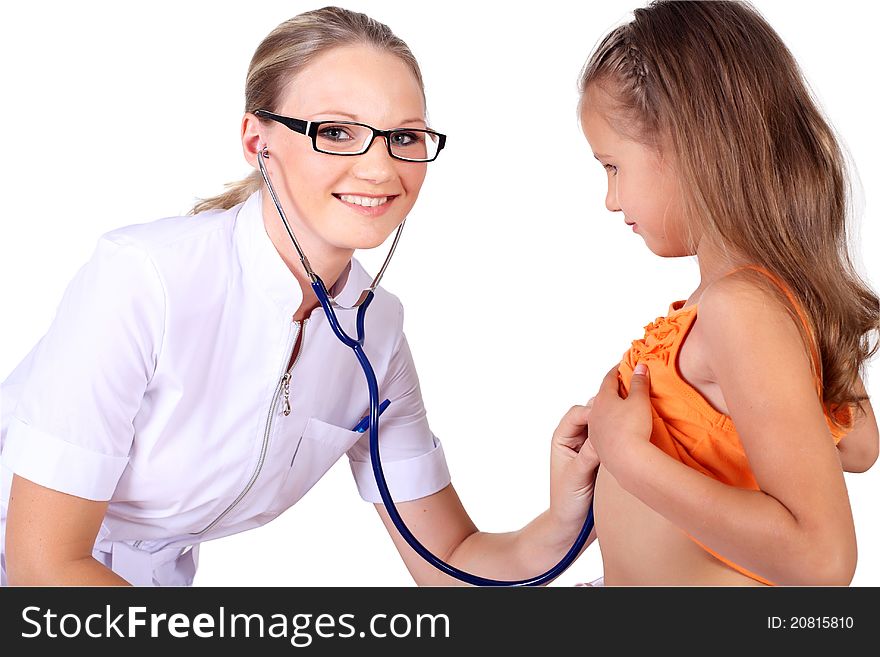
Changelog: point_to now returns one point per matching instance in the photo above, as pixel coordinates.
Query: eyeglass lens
(350, 139)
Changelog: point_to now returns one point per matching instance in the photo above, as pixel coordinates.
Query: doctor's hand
(620, 428)
(573, 465)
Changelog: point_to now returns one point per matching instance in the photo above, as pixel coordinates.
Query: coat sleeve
(412, 457)
(71, 427)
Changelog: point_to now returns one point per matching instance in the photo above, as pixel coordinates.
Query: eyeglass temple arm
(294, 124)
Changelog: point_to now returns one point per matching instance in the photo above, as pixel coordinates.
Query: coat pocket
(319, 447)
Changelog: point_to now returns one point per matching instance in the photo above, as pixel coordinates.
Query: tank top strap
(811, 338)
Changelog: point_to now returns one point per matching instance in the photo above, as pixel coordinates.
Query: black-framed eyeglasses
(352, 138)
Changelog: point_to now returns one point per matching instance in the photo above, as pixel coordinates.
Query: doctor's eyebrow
(354, 117)
(601, 156)
(347, 115)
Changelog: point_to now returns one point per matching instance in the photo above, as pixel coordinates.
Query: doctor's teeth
(366, 201)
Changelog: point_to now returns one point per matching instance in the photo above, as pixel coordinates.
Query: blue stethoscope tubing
(357, 346)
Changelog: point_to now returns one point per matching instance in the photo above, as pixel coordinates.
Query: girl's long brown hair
(763, 174)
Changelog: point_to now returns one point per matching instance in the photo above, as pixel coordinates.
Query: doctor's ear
(252, 138)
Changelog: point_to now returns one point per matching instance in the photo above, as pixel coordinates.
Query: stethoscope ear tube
(263, 154)
(357, 345)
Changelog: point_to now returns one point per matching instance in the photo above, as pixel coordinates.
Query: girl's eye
(610, 168)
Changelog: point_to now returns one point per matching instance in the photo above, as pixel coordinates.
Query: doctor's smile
(139, 409)
(368, 205)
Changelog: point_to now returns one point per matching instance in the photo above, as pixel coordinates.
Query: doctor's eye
(406, 138)
(336, 133)
(610, 168)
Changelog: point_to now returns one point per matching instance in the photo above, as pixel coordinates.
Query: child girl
(717, 431)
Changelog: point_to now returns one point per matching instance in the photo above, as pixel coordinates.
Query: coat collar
(262, 263)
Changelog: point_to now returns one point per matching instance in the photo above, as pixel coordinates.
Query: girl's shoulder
(746, 316)
(744, 297)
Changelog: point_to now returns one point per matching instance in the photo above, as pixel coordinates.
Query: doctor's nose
(376, 164)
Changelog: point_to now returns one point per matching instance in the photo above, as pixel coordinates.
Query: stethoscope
(357, 346)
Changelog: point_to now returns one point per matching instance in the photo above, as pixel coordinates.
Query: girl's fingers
(609, 383)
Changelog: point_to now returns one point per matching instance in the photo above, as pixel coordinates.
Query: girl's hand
(573, 465)
(620, 426)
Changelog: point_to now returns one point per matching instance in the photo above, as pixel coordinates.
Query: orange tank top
(685, 425)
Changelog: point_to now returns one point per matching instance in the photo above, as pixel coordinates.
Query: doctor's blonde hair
(712, 87)
(287, 50)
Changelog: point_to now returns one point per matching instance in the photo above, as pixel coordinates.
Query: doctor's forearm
(50, 536)
(516, 555)
(82, 572)
(442, 526)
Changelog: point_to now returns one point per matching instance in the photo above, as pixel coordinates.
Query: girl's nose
(611, 201)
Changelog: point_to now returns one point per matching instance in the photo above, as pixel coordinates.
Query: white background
(521, 290)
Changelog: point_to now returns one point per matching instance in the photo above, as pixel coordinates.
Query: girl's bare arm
(858, 448)
(798, 528)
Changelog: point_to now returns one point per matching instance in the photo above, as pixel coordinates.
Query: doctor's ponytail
(287, 50)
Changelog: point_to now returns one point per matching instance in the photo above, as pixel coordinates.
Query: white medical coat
(158, 387)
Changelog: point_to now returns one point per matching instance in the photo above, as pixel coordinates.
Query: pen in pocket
(364, 424)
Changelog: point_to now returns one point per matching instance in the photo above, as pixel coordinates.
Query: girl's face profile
(347, 202)
(640, 184)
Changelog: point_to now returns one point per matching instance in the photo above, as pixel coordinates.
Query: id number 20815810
(810, 623)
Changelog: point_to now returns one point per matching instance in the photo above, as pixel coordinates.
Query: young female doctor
(190, 387)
